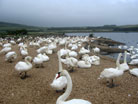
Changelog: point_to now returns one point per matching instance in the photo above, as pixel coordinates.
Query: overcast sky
(69, 12)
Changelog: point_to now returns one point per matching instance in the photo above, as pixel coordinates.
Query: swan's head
(28, 58)
(61, 73)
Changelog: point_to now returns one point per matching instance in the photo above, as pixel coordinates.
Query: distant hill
(4, 26)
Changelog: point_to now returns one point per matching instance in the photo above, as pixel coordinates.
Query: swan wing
(22, 66)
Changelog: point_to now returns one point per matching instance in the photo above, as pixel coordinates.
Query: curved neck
(63, 97)
(66, 45)
(125, 57)
(118, 59)
(26, 60)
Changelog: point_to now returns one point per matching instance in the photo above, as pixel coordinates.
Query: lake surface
(130, 38)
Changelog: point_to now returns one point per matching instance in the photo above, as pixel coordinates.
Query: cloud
(69, 12)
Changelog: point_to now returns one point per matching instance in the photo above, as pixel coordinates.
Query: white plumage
(134, 71)
(10, 56)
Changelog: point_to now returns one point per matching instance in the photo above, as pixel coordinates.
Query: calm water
(130, 39)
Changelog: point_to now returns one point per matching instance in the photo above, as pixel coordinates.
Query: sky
(68, 13)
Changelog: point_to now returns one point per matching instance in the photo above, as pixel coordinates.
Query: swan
(73, 54)
(61, 99)
(49, 51)
(60, 83)
(41, 49)
(38, 61)
(24, 67)
(13, 42)
(110, 73)
(71, 62)
(24, 52)
(84, 64)
(124, 66)
(43, 56)
(84, 51)
(5, 50)
(134, 62)
(134, 71)
(96, 50)
(95, 60)
(10, 56)
(6, 45)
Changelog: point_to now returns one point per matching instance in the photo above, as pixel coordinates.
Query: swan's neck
(66, 45)
(118, 61)
(63, 97)
(125, 57)
(26, 60)
(60, 64)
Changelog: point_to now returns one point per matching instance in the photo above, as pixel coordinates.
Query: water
(130, 39)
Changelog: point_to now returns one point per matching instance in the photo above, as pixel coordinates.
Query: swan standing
(110, 73)
(62, 98)
(24, 67)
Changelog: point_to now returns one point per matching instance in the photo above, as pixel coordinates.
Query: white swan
(60, 83)
(38, 61)
(43, 56)
(62, 98)
(84, 51)
(110, 73)
(84, 64)
(134, 62)
(24, 52)
(134, 71)
(6, 45)
(24, 67)
(96, 50)
(124, 66)
(5, 50)
(10, 56)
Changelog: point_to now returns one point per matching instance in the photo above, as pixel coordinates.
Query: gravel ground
(36, 88)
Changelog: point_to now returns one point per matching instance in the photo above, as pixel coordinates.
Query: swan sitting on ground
(24, 67)
(5, 50)
(134, 71)
(71, 62)
(60, 83)
(134, 62)
(10, 56)
(84, 64)
(43, 56)
(110, 73)
(73, 54)
(95, 60)
(62, 98)
(84, 51)
(6, 45)
(124, 66)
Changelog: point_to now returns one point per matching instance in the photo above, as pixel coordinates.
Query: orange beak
(58, 75)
